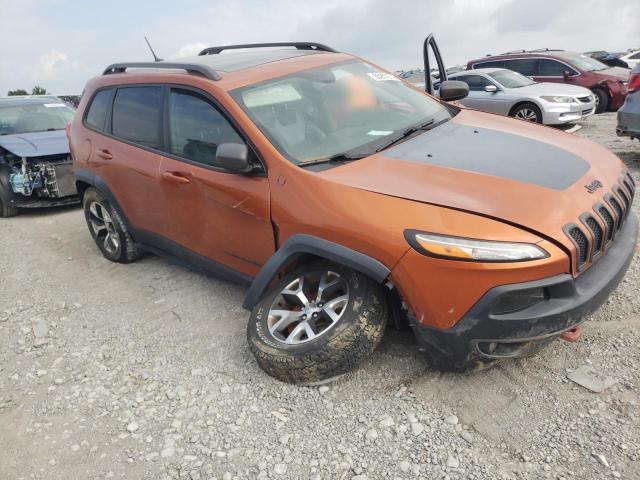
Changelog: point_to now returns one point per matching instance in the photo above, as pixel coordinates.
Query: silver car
(502, 91)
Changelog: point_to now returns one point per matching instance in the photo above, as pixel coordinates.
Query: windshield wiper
(406, 133)
(339, 157)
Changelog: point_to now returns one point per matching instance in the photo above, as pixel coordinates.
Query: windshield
(584, 62)
(34, 117)
(347, 108)
(510, 79)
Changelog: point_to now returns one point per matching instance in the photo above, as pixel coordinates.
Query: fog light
(518, 300)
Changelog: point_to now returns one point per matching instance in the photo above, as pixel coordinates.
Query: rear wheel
(7, 211)
(602, 100)
(108, 229)
(528, 112)
(319, 322)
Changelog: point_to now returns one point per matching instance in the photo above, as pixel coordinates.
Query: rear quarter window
(97, 113)
(137, 115)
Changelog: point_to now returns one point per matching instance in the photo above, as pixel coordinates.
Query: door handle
(175, 177)
(104, 154)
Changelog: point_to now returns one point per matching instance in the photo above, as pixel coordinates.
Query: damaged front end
(38, 181)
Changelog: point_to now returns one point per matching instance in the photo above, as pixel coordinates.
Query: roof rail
(299, 45)
(514, 51)
(192, 68)
(547, 50)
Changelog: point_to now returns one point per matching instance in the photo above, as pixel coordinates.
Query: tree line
(37, 90)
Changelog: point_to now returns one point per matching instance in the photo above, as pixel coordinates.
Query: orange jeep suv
(347, 199)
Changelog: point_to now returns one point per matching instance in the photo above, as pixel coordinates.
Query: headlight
(559, 99)
(471, 250)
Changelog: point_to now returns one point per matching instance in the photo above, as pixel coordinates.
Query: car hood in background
(36, 144)
(527, 175)
(551, 89)
(617, 73)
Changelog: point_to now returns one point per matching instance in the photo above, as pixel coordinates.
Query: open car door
(450, 90)
(431, 45)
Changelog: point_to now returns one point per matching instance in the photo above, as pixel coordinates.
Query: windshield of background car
(336, 109)
(34, 117)
(584, 62)
(510, 79)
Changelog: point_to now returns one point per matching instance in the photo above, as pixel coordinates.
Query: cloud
(190, 50)
(55, 63)
(61, 44)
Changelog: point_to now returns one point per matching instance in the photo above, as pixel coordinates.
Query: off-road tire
(602, 100)
(342, 348)
(128, 250)
(7, 211)
(527, 106)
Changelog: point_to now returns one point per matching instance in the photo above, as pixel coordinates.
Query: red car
(609, 84)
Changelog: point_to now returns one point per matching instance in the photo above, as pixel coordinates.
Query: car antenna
(155, 57)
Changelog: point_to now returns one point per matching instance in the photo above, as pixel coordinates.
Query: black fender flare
(98, 182)
(302, 244)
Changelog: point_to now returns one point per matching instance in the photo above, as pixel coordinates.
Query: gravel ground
(142, 372)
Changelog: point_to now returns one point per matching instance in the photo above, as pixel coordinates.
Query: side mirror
(233, 157)
(491, 88)
(451, 90)
(566, 74)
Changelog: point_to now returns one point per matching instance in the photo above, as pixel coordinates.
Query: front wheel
(602, 100)
(527, 112)
(319, 322)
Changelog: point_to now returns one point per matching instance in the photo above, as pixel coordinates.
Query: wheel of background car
(602, 100)
(7, 211)
(527, 112)
(317, 323)
(108, 229)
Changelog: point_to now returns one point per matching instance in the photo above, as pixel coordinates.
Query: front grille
(582, 244)
(617, 210)
(593, 240)
(608, 220)
(585, 99)
(596, 231)
(587, 112)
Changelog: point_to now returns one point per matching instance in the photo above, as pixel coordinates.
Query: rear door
(220, 215)
(125, 150)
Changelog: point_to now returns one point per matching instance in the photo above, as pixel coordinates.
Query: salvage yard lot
(142, 371)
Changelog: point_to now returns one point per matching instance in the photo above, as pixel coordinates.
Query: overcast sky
(60, 44)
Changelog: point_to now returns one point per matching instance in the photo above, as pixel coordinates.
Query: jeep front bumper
(566, 303)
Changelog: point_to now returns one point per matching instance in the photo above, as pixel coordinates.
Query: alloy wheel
(527, 114)
(308, 307)
(103, 227)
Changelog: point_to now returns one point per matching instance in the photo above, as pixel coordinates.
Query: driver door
(220, 215)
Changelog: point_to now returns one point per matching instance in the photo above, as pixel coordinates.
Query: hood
(530, 176)
(615, 73)
(551, 89)
(36, 144)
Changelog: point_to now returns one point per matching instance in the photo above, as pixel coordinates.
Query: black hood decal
(492, 152)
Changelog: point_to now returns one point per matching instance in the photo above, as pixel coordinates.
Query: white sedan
(502, 91)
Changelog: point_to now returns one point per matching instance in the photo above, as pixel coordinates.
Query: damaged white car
(35, 164)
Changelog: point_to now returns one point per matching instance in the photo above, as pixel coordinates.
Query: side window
(552, 68)
(635, 56)
(136, 115)
(475, 82)
(196, 128)
(526, 66)
(490, 64)
(97, 113)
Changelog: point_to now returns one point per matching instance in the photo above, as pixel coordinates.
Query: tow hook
(572, 335)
